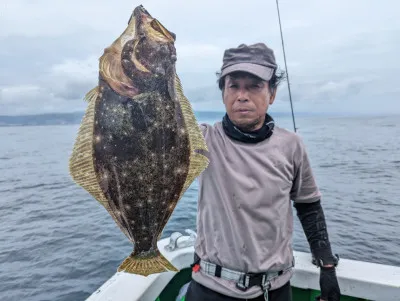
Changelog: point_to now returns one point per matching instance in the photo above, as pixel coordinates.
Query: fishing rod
(284, 58)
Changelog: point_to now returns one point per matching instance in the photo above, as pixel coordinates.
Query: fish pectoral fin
(92, 94)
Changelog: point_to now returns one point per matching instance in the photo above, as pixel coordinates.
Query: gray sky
(342, 55)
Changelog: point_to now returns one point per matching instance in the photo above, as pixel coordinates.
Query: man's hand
(330, 290)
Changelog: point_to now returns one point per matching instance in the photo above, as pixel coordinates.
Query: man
(244, 210)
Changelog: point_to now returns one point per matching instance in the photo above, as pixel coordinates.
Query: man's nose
(242, 95)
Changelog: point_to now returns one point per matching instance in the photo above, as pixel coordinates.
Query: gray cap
(256, 59)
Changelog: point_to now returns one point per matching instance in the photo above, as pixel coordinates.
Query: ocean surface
(58, 243)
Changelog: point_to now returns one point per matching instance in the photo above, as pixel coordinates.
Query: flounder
(139, 146)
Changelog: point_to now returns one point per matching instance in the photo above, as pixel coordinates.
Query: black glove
(330, 290)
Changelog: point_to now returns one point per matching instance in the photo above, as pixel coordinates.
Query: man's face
(246, 100)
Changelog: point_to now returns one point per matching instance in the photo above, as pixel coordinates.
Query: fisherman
(257, 171)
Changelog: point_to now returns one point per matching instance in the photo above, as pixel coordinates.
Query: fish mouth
(140, 11)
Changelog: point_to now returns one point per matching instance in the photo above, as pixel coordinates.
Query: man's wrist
(326, 264)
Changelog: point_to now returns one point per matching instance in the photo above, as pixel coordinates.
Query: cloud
(199, 51)
(17, 100)
(73, 78)
(61, 88)
(338, 56)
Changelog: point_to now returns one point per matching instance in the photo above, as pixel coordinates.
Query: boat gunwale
(357, 279)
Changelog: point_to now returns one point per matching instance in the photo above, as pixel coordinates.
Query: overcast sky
(342, 55)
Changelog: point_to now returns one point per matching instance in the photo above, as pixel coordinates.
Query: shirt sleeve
(304, 187)
(203, 128)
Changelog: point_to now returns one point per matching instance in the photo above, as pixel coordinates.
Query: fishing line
(284, 58)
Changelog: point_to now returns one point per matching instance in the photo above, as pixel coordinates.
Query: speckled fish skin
(145, 148)
(142, 154)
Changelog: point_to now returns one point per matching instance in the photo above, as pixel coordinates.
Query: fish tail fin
(146, 265)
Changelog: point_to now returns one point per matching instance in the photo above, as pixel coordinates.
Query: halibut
(139, 146)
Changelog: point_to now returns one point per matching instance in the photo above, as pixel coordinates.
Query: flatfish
(139, 146)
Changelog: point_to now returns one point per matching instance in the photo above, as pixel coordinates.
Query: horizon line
(223, 112)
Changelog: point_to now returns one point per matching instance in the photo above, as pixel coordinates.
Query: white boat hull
(357, 279)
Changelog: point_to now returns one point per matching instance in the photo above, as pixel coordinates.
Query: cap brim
(262, 72)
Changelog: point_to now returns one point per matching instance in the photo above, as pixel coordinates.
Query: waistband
(243, 280)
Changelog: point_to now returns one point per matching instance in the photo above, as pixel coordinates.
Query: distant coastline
(76, 117)
(66, 118)
(73, 118)
(41, 119)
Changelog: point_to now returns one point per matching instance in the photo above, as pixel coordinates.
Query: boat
(358, 280)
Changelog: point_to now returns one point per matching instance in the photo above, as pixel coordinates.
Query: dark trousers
(198, 292)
